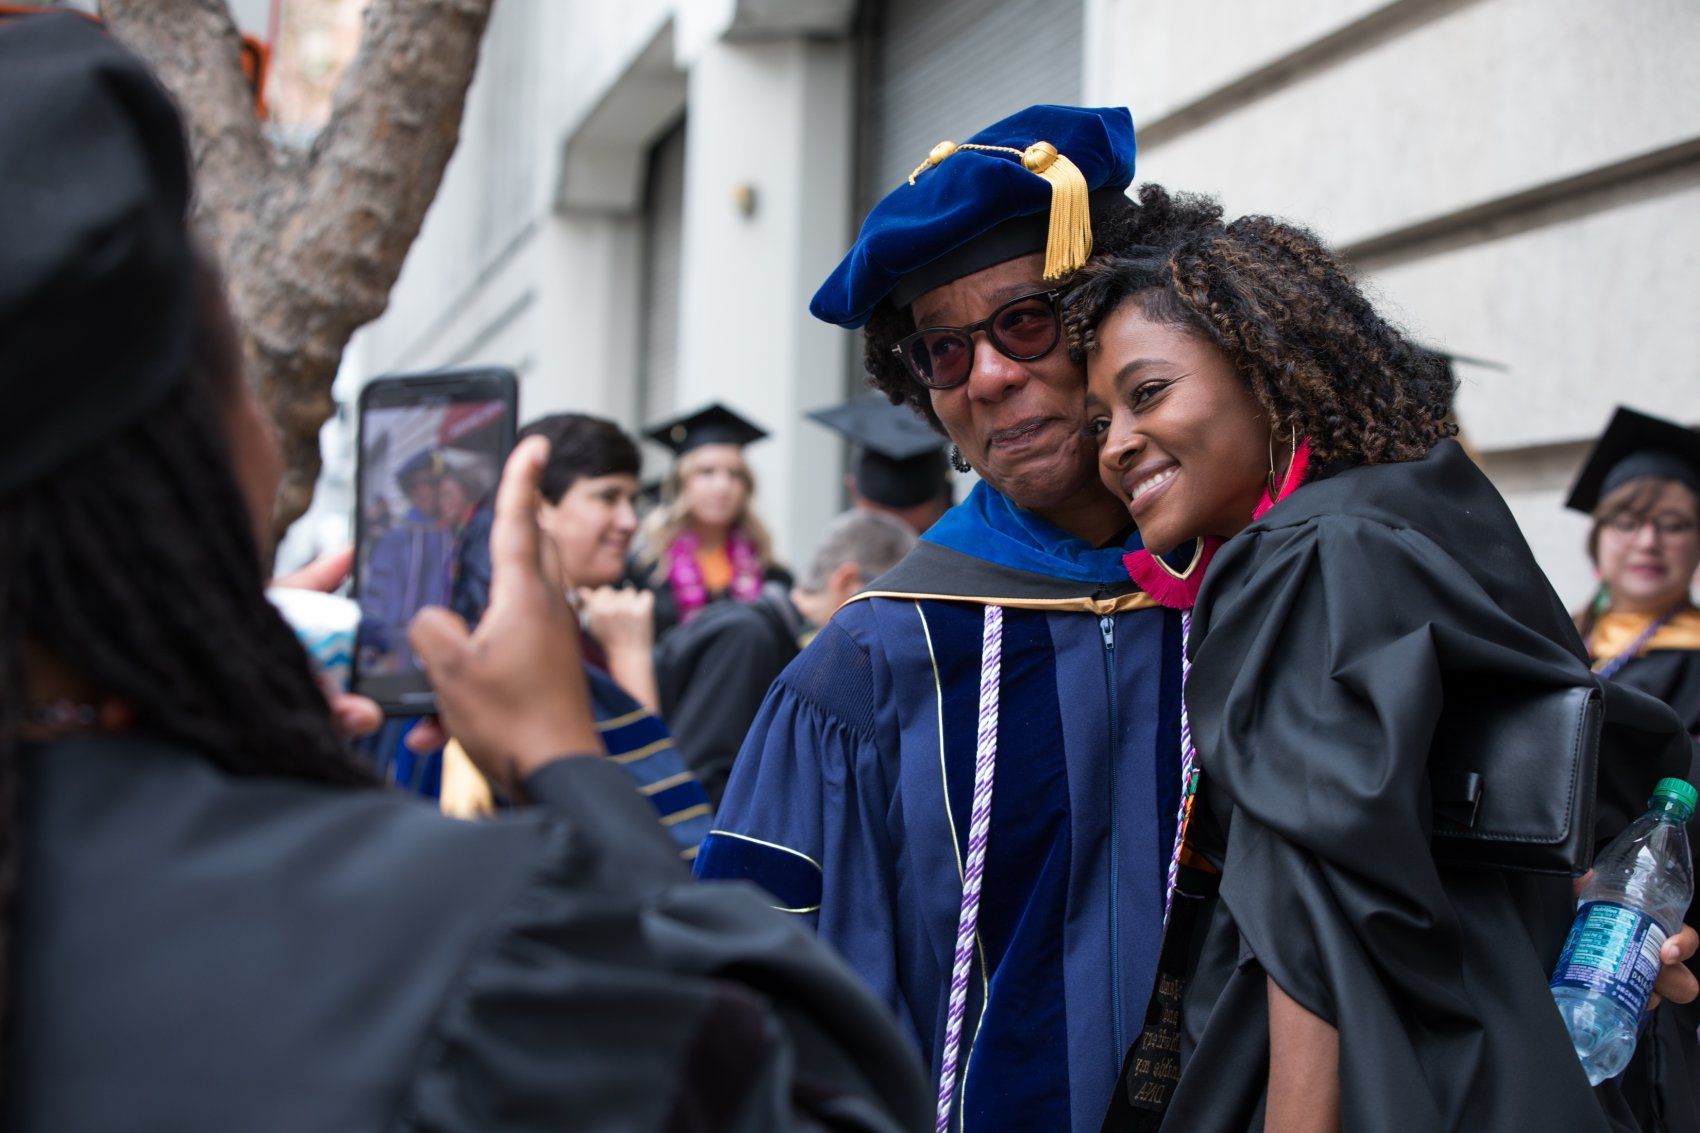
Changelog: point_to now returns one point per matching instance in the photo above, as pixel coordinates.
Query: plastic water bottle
(1640, 890)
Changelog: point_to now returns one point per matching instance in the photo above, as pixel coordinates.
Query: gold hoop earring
(1292, 454)
(1182, 576)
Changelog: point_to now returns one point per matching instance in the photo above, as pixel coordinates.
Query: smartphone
(429, 453)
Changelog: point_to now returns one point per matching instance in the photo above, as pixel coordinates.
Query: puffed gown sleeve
(805, 815)
(1320, 669)
(618, 994)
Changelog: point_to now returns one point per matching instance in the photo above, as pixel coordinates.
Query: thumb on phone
(440, 637)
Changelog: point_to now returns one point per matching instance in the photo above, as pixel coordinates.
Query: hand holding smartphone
(430, 450)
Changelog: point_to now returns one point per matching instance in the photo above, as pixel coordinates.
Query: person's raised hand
(620, 618)
(1676, 982)
(324, 574)
(356, 716)
(513, 691)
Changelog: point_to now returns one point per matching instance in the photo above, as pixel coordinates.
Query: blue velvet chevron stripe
(639, 742)
(792, 878)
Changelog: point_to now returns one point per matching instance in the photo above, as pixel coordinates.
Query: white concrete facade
(1518, 180)
(531, 256)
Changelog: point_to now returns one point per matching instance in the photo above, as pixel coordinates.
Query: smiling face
(1647, 552)
(1181, 440)
(453, 500)
(1017, 423)
(714, 482)
(591, 528)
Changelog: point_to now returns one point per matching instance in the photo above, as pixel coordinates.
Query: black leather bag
(1513, 774)
(1538, 778)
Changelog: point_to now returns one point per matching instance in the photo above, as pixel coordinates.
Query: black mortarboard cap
(899, 460)
(711, 425)
(96, 291)
(1636, 445)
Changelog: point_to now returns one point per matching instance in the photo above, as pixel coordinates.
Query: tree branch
(195, 49)
(311, 248)
(373, 172)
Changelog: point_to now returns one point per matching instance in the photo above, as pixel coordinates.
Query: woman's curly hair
(1298, 329)
(1118, 226)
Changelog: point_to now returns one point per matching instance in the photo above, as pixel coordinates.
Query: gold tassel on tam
(1070, 240)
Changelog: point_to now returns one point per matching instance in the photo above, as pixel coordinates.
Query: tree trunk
(311, 244)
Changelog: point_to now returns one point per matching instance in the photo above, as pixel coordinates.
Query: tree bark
(311, 244)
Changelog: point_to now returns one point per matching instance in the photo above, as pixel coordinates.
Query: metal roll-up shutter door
(942, 69)
(664, 217)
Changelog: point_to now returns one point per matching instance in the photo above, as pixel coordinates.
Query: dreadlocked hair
(1158, 217)
(135, 568)
(1298, 329)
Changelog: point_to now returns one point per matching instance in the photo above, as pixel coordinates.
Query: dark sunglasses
(1023, 329)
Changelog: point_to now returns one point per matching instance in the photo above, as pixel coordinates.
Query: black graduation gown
(714, 673)
(197, 951)
(1662, 1081)
(1323, 642)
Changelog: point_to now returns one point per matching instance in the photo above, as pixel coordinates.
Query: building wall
(533, 255)
(1517, 180)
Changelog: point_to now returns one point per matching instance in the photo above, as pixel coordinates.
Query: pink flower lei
(684, 573)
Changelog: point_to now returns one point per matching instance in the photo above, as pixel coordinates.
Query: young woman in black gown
(1348, 567)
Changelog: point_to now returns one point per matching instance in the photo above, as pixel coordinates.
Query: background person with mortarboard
(899, 467)
(705, 543)
(1641, 485)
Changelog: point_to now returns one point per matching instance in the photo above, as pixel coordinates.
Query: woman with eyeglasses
(1369, 642)
(968, 780)
(1641, 486)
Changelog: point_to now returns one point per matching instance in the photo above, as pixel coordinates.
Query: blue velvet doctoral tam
(972, 196)
(850, 801)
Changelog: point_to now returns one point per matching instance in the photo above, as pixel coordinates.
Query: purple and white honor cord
(974, 871)
(1188, 785)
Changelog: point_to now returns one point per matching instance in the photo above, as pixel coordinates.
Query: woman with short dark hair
(1354, 584)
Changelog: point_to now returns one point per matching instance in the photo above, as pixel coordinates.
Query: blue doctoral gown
(408, 570)
(850, 803)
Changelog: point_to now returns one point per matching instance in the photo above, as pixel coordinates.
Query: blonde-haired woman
(705, 543)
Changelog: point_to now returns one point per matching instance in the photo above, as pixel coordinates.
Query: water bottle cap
(1678, 791)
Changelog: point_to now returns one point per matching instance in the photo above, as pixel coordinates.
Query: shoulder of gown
(548, 968)
(702, 1001)
(806, 814)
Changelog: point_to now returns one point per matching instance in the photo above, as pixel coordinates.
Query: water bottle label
(1612, 951)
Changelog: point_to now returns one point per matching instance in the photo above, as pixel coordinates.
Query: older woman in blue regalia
(968, 780)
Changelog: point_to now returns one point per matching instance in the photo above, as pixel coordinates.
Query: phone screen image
(429, 463)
